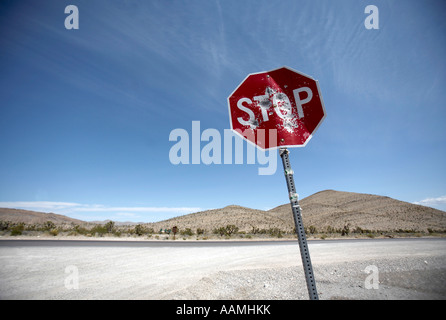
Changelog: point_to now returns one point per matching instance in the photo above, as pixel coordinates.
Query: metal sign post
(305, 254)
(285, 107)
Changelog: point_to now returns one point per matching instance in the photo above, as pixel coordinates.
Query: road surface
(344, 269)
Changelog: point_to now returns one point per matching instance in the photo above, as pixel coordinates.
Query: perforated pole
(305, 254)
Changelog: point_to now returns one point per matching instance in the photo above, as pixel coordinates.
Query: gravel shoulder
(401, 269)
(341, 281)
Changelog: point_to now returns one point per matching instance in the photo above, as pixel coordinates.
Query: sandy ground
(400, 269)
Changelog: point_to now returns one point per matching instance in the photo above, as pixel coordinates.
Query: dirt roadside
(405, 269)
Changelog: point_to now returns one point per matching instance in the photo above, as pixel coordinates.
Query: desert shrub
(201, 231)
(346, 230)
(81, 230)
(139, 230)
(406, 231)
(48, 225)
(255, 230)
(330, 229)
(117, 233)
(231, 229)
(312, 229)
(358, 230)
(430, 230)
(186, 232)
(54, 232)
(99, 229)
(227, 231)
(110, 226)
(5, 225)
(220, 231)
(275, 232)
(17, 229)
(32, 227)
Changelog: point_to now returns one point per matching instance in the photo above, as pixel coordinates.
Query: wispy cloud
(438, 203)
(42, 205)
(97, 208)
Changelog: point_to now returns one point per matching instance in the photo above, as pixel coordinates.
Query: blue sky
(85, 115)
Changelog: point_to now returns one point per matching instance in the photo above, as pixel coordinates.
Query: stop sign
(277, 108)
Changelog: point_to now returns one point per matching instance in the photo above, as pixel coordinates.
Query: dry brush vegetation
(326, 214)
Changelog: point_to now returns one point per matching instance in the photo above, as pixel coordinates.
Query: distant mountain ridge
(35, 217)
(367, 211)
(323, 210)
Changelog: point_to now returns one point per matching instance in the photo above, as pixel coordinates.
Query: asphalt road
(65, 269)
(136, 243)
(181, 243)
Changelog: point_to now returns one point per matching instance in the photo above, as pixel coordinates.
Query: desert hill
(34, 217)
(337, 209)
(328, 208)
(323, 210)
(244, 218)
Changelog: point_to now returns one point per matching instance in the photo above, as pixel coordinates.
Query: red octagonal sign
(277, 108)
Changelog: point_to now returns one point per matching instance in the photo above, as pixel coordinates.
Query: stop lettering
(277, 108)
